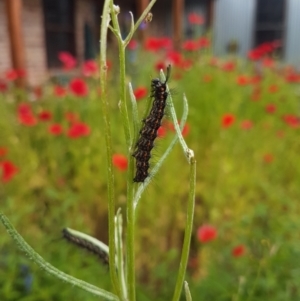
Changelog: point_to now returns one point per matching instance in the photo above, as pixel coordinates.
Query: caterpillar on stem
(148, 133)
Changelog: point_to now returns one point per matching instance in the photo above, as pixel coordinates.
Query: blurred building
(32, 32)
(249, 23)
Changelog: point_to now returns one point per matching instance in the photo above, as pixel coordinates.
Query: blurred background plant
(244, 126)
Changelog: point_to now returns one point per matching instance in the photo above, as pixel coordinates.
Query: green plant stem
(120, 258)
(188, 231)
(252, 291)
(35, 257)
(139, 21)
(107, 135)
(130, 262)
(122, 63)
(190, 206)
(135, 115)
(130, 213)
(187, 292)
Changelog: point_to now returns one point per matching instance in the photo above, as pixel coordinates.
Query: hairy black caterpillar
(148, 133)
(70, 235)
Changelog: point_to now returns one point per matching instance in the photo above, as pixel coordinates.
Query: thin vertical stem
(108, 144)
(120, 257)
(187, 292)
(188, 230)
(130, 213)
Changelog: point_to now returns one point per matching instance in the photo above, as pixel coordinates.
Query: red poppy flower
(204, 42)
(268, 158)
(68, 60)
(292, 120)
(72, 117)
(175, 58)
(185, 130)
(28, 120)
(11, 75)
(38, 92)
(256, 93)
(21, 73)
(291, 77)
(155, 44)
(191, 45)
(152, 44)
(166, 43)
(262, 50)
(3, 86)
(195, 19)
(120, 161)
(161, 132)
(78, 130)
(132, 45)
(270, 108)
(3, 151)
(24, 109)
(254, 55)
(9, 170)
(255, 79)
(45, 116)
(90, 68)
(186, 64)
(273, 88)
(25, 115)
(266, 47)
(238, 251)
(206, 233)
(59, 91)
(55, 129)
(140, 92)
(79, 87)
(229, 66)
(246, 124)
(242, 80)
(227, 120)
(268, 62)
(160, 66)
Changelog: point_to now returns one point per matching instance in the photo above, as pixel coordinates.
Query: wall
(34, 40)
(292, 41)
(233, 20)
(5, 60)
(33, 37)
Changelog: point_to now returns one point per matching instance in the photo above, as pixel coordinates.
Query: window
(59, 29)
(269, 20)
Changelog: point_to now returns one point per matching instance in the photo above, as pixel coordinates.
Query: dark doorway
(59, 29)
(270, 21)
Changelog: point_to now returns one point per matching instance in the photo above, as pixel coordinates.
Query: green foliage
(252, 201)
